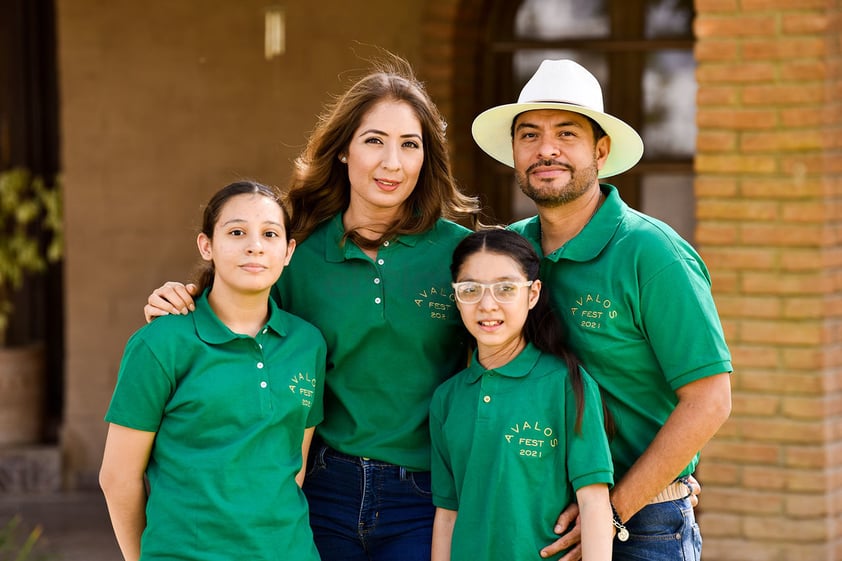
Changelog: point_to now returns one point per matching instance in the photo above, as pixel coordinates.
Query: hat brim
(492, 132)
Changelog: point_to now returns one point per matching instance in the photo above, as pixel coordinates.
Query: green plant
(30, 213)
(11, 549)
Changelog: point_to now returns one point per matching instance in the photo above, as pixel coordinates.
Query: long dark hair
(320, 188)
(542, 328)
(204, 275)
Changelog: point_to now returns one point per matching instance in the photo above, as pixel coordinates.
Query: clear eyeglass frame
(503, 292)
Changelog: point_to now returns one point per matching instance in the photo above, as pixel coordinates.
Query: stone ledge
(30, 469)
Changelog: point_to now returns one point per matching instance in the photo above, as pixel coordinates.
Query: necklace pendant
(623, 535)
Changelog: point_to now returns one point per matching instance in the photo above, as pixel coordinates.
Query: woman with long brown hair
(372, 198)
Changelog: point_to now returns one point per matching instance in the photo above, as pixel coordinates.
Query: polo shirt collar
(211, 330)
(596, 234)
(518, 367)
(336, 251)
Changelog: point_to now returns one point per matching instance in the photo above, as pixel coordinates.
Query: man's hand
(172, 298)
(696, 490)
(569, 518)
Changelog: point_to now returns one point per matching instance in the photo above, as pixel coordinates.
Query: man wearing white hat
(634, 296)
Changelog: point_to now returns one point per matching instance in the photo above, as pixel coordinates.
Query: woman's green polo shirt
(636, 300)
(229, 412)
(393, 335)
(506, 455)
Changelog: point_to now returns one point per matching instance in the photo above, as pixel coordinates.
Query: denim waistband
(328, 452)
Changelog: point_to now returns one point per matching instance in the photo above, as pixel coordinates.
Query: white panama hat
(564, 85)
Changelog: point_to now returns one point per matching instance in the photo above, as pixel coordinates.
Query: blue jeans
(661, 532)
(367, 510)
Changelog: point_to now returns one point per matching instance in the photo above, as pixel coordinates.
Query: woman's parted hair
(320, 188)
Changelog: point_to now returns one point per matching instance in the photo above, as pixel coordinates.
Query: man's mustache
(549, 163)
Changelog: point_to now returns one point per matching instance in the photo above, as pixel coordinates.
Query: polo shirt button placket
(378, 300)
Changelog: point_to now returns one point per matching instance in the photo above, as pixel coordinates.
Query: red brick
(707, 6)
(782, 235)
(713, 472)
(805, 359)
(812, 211)
(782, 431)
(798, 117)
(714, 186)
(806, 259)
(743, 452)
(803, 308)
(782, 95)
(786, 141)
(735, 164)
(804, 71)
(804, 22)
(716, 234)
(753, 356)
(743, 501)
(810, 408)
(742, 258)
(755, 405)
(736, 73)
(736, 119)
(787, 283)
(733, 26)
(717, 95)
(716, 50)
(786, 529)
(719, 525)
(778, 48)
(716, 141)
(806, 457)
(782, 187)
(783, 5)
(737, 210)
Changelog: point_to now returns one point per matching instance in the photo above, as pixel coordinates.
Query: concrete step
(30, 469)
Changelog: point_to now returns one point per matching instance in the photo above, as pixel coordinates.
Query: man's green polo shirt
(636, 300)
(393, 335)
(506, 456)
(229, 412)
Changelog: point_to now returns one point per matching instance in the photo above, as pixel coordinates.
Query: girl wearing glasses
(520, 430)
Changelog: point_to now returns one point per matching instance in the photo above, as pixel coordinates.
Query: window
(642, 53)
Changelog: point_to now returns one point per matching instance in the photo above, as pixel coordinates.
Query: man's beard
(580, 181)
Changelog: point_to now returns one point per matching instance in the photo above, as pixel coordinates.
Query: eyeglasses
(504, 292)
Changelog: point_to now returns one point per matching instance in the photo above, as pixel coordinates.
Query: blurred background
(132, 114)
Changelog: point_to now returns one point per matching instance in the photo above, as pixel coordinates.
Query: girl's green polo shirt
(636, 300)
(506, 456)
(393, 335)
(229, 412)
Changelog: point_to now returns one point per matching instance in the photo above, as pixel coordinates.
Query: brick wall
(768, 189)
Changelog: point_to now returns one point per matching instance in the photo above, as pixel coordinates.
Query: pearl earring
(343, 159)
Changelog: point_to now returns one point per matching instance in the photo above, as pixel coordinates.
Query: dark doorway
(29, 138)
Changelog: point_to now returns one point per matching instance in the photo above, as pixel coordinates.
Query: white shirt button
(260, 365)
(265, 330)
(376, 281)
(380, 261)
(386, 244)
(487, 398)
(263, 384)
(377, 300)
